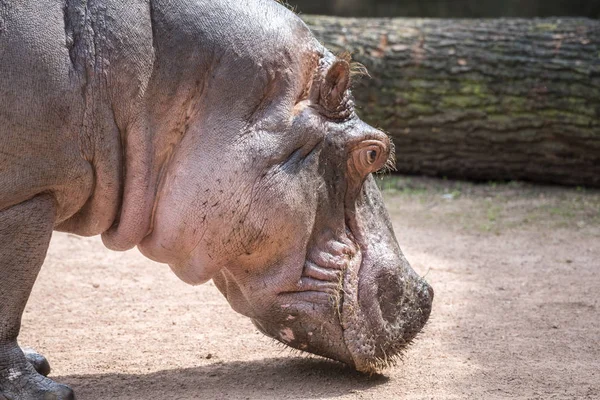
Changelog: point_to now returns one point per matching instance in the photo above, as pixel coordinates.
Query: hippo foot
(38, 361)
(20, 380)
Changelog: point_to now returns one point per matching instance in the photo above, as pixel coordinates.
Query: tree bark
(490, 99)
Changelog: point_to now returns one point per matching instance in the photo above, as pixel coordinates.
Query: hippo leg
(25, 231)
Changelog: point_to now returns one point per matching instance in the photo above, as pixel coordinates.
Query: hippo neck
(137, 105)
(148, 146)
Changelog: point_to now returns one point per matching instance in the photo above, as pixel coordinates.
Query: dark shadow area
(272, 378)
(449, 8)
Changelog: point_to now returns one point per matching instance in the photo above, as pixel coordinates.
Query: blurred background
(450, 8)
(476, 89)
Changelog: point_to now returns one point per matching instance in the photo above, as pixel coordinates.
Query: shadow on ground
(272, 378)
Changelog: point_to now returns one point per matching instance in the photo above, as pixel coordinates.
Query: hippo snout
(384, 309)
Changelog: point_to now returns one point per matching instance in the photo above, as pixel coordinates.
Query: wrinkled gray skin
(217, 136)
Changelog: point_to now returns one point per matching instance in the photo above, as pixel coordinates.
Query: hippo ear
(336, 82)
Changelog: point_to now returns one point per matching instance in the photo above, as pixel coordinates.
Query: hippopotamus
(219, 137)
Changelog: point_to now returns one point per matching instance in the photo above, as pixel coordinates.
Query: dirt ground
(515, 268)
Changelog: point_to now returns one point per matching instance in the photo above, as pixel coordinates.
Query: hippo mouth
(311, 311)
(362, 309)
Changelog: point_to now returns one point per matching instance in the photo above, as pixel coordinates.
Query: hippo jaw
(309, 316)
(358, 300)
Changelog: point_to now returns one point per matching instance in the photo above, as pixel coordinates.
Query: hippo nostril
(389, 294)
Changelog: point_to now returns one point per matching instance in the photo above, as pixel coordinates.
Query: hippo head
(271, 194)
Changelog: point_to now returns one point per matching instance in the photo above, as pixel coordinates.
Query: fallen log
(495, 99)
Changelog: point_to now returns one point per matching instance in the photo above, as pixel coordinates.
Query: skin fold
(218, 137)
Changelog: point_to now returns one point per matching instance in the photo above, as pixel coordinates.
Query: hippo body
(218, 137)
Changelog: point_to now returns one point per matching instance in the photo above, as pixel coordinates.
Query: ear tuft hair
(357, 70)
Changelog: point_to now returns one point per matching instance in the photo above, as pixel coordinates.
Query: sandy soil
(516, 271)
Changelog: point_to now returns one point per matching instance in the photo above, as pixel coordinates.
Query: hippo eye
(368, 156)
(371, 156)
